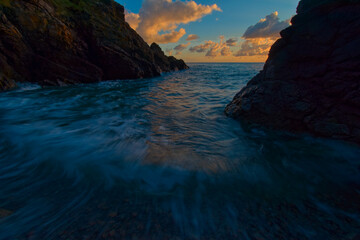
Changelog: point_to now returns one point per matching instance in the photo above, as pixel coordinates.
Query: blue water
(158, 159)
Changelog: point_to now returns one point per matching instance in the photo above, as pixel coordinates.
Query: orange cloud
(133, 19)
(181, 47)
(213, 49)
(192, 37)
(260, 37)
(202, 47)
(225, 51)
(158, 16)
(231, 42)
(253, 47)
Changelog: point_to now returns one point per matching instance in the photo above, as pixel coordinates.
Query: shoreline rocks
(311, 80)
(68, 42)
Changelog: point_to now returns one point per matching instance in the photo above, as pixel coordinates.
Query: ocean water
(158, 159)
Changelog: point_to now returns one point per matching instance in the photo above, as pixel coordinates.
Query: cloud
(254, 47)
(225, 51)
(212, 53)
(169, 51)
(269, 27)
(133, 19)
(192, 37)
(260, 37)
(202, 47)
(158, 20)
(181, 47)
(213, 49)
(231, 42)
(173, 36)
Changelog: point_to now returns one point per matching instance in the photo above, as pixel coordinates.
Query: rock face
(165, 63)
(311, 80)
(55, 42)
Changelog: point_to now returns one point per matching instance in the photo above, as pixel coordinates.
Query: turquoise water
(158, 159)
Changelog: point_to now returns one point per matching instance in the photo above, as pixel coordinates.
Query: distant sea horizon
(223, 62)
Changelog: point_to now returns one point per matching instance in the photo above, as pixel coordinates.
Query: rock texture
(165, 63)
(59, 42)
(311, 80)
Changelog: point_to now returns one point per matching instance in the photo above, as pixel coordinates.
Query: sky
(211, 30)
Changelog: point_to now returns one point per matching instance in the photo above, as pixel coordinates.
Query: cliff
(311, 80)
(60, 42)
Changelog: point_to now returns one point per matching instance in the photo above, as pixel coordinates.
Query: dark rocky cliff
(311, 80)
(59, 42)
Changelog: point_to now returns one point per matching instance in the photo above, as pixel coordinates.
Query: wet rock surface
(57, 43)
(311, 80)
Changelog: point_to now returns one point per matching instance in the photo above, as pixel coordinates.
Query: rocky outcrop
(165, 63)
(54, 42)
(311, 80)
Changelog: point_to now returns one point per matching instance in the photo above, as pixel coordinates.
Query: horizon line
(224, 62)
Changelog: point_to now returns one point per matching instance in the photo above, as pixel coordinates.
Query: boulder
(311, 79)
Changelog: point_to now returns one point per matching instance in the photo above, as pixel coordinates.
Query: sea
(158, 159)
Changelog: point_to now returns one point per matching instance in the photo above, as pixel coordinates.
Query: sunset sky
(211, 30)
